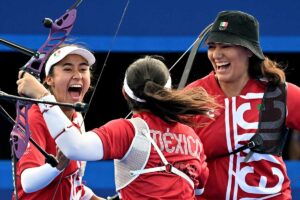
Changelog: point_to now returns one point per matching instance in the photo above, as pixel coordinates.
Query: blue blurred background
(100, 177)
(168, 25)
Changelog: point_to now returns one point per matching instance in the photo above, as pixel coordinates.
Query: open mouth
(222, 66)
(75, 91)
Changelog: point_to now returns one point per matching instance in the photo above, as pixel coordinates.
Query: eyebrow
(81, 64)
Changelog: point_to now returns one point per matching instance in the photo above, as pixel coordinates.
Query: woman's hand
(29, 86)
(63, 161)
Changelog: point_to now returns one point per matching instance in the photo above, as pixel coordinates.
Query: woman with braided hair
(157, 156)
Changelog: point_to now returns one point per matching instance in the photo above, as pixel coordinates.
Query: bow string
(59, 31)
(107, 56)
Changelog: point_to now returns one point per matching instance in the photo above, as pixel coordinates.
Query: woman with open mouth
(68, 78)
(244, 142)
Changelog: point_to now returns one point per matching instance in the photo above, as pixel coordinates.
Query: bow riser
(60, 30)
(20, 135)
(19, 138)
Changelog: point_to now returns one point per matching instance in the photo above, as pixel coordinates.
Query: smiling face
(230, 62)
(70, 79)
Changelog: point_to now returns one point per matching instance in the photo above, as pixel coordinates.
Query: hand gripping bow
(20, 135)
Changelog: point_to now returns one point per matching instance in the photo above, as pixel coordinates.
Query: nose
(217, 53)
(77, 75)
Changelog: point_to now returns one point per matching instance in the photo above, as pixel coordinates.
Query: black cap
(238, 28)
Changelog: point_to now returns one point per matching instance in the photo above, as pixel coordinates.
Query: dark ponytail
(147, 78)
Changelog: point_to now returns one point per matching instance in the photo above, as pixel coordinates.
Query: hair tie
(130, 93)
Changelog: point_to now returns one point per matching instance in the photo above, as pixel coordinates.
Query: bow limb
(59, 30)
(192, 55)
(13, 122)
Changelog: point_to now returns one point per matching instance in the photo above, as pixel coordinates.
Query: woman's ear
(49, 80)
(124, 94)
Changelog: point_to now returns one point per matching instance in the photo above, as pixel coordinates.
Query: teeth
(222, 64)
(76, 86)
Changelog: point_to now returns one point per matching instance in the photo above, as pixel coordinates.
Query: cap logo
(57, 53)
(223, 26)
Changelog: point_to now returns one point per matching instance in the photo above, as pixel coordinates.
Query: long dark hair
(147, 77)
(269, 69)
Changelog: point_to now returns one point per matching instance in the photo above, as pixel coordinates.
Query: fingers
(20, 87)
(63, 161)
(21, 74)
(21, 83)
(29, 86)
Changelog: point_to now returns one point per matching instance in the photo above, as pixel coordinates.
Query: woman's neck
(232, 89)
(68, 112)
(140, 110)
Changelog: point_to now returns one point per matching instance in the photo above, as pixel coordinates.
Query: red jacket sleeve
(293, 105)
(116, 137)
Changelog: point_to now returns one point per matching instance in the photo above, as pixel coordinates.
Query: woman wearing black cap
(159, 156)
(67, 77)
(244, 143)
